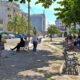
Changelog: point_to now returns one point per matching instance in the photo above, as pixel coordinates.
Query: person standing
(1, 45)
(35, 42)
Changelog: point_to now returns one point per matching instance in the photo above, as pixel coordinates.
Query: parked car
(5, 36)
(18, 35)
(11, 36)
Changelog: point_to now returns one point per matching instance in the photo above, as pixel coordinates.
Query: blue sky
(38, 9)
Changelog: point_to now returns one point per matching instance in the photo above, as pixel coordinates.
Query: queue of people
(74, 40)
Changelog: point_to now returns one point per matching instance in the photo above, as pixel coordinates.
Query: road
(15, 40)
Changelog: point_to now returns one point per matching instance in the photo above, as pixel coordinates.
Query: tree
(13, 23)
(35, 29)
(45, 3)
(65, 13)
(69, 12)
(52, 29)
(73, 31)
(23, 25)
(18, 24)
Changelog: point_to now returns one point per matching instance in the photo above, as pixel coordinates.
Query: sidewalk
(25, 65)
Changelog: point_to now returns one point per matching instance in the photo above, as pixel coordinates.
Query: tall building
(38, 20)
(7, 10)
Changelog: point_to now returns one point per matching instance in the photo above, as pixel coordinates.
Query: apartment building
(7, 10)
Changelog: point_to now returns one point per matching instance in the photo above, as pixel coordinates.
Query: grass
(48, 75)
(55, 51)
(47, 41)
(6, 56)
(40, 71)
(57, 62)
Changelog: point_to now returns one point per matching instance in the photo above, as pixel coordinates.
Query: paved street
(13, 40)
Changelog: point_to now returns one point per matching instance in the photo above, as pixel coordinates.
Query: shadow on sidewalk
(18, 64)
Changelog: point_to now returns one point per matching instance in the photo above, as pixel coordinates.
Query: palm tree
(22, 25)
(13, 23)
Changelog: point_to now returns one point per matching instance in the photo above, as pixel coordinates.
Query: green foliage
(65, 13)
(45, 3)
(18, 24)
(13, 23)
(48, 75)
(69, 12)
(35, 30)
(73, 31)
(53, 29)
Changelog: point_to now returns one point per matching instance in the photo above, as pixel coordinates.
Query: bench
(25, 46)
(71, 63)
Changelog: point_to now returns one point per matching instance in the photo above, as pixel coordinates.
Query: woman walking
(35, 42)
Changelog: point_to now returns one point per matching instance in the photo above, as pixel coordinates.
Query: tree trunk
(51, 39)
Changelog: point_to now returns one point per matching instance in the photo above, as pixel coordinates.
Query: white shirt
(35, 38)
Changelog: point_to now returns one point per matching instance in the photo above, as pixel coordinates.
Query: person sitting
(20, 44)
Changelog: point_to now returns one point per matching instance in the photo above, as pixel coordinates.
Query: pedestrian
(51, 36)
(1, 45)
(35, 42)
(20, 44)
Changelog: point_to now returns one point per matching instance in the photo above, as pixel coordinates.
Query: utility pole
(28, 22)
(44, 23)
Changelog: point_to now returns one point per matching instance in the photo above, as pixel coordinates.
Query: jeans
(34, 46)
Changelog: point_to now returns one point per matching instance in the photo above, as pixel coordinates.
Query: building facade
(38, 20)
(60, 25)
(7, 10)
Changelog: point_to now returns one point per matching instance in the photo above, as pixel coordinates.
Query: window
(9, 15)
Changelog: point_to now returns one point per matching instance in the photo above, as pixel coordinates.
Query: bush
(3, 40)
